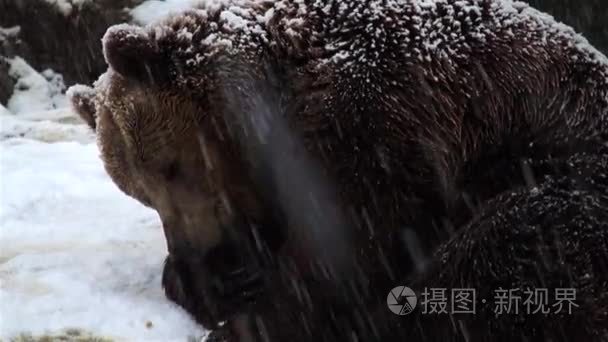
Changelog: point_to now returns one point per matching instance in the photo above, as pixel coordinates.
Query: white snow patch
(4, 111)
(34, 91)
(152, 10)
(9, 32)
(80, 89)
(76, 252)
(45, 130)
(65, 7)
(233, 20)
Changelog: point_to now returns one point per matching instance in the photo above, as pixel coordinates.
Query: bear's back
(407, 96)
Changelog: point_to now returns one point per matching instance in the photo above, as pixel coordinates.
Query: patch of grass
(68, 335)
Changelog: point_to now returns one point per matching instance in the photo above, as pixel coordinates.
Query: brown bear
(465, 142)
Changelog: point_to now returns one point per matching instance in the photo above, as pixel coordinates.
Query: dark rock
(66, 39)
(9, 43)
(6, 82)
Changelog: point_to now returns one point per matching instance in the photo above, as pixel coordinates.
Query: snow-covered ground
(76, 255)
(152, 10)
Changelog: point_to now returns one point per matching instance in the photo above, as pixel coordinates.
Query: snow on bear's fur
(466, 140)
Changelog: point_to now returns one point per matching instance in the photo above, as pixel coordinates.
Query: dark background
(589, 17)
(70, 45)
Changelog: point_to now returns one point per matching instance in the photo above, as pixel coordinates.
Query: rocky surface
(63, 35)
(6, 82)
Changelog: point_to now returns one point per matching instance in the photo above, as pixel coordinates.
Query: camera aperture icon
(401, 300)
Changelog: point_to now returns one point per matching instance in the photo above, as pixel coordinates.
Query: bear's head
(160, 143)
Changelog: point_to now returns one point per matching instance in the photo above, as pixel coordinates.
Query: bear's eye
(172, 171)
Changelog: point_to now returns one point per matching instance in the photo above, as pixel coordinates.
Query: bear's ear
(129, 51)
(82, 100)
